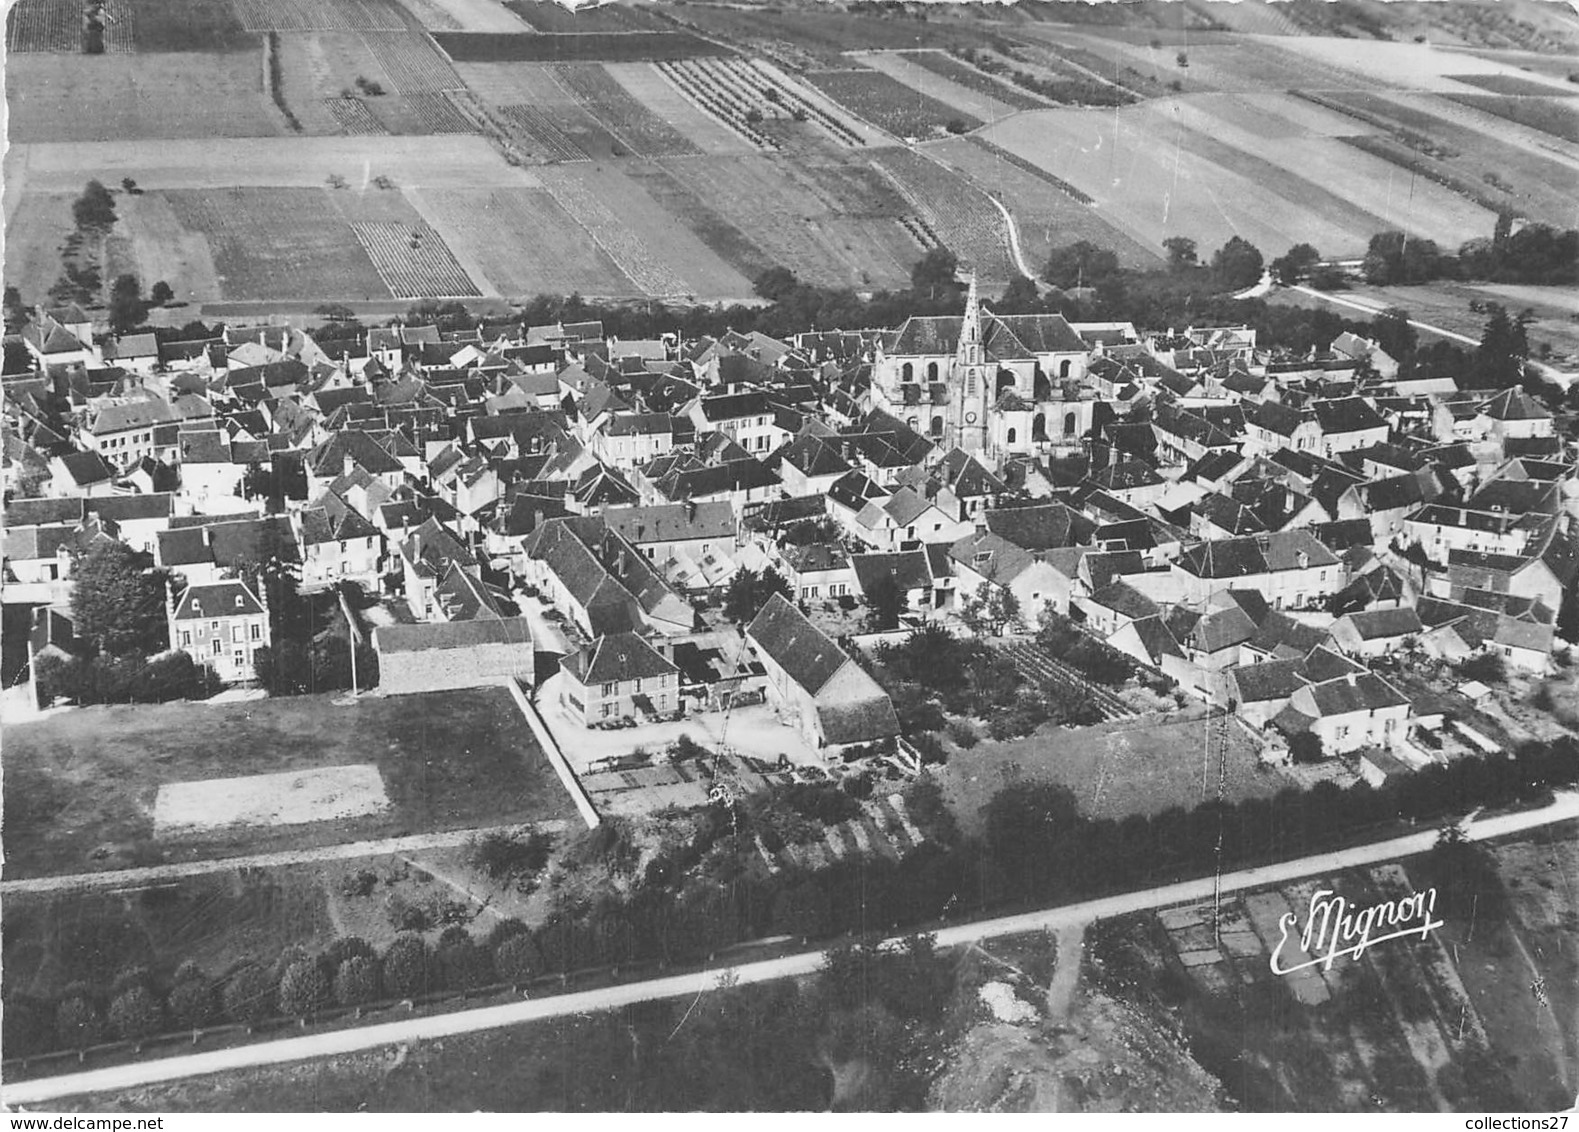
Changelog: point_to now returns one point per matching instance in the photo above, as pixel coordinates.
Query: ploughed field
(676, 153)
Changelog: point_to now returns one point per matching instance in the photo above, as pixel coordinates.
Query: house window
(213, 627)
(1011, 436)
(239, 658)
(608, 710)
(257, 632)
(610, 689)
(238, 632)
(186, 639)
(219, 646)
(932, 371)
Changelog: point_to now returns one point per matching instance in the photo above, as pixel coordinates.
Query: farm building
(452, 654)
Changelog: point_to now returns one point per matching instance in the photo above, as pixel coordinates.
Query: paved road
(152, 874)
(609, 998)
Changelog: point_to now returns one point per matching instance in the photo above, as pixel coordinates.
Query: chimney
(208, 537)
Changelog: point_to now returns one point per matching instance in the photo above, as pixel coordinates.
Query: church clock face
(970, 418)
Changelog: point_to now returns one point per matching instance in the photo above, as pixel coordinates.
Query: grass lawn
(80, 787)
(1115, 769)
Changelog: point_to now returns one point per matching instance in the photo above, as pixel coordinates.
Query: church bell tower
(971, 384)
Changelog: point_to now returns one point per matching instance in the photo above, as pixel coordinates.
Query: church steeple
(970, 330)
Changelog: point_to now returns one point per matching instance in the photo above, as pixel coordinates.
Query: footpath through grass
(81, 786)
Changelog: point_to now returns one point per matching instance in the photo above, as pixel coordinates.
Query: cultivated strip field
(523, 242)
(86, 98)
(889, 104)
(279, 243)
(963, 74)
(319, 15)
(161, 247)
(1516, 84)
(930, 81)
(1558, 117)
(643, 131)
(353, 117)
(652, 89)
(413, 261)
(535, 132)
(968, 223)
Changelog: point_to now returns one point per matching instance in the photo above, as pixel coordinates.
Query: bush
(360, 883)
(1488, 668)
(963, 732)
(820, 801)
(1306, 747)
(346, 947)
(406, 966)
(304, 989)
(462, 965)
(191, 1002)
(129, 978)
(501, 855)
(249, 996)
(135, 1014)
(517, 959)
(930, 748)
(77, 1023)
(505, 929)
(357, 981)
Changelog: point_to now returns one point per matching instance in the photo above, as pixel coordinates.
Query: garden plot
(649, 87)
(523, 242)
(534, 131)
(413, 260)
(353, 117)
(293, 798)
(931, 83)
(413, 64)
(968, 76)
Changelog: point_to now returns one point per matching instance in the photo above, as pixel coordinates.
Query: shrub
(502, 855)
(191, 1002)
(77, 1022)
(1488, 668)
(517, 959)
(135, 1014)
(357, 981)
(360, 883)
(820, 801)
(249, 996)
(929, 747)
(129, 978)
(506, 929)
(963, 732)
(304, 989)
(406, 966)
(462, 965)
(346, 947)
(1306, 747)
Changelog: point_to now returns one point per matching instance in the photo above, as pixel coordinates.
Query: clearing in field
(85, 98)
(659, 255)
(889, 104)
(279, 243)
(81, 787)
(931, 82)
(1421, 66)
(293, 798)
(161, 248)
(523, 242)
(413, 260)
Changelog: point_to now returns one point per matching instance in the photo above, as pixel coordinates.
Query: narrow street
(1565, 806)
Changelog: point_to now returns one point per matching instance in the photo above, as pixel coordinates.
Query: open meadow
(81, 788)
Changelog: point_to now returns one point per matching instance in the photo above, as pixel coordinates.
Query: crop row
(968, 223)
(413, 64)
(413, 260)
(970, 78)
(439, 114)
(717, 93)
(624, 114)
(1389, 150)
(316, 15)
(45, 26)
(533, 129)
(353, 117)
(889, 104)
(1392, 127)
(614, 236)
(921, 232)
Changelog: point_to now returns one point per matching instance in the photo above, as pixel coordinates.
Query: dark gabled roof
(223, 598)
(862, 722)
(1515, 405)
(1125, 599)
(1277, 417)
(616, 658)
(38, 512)
(87, 468)
(805, 653)
(1346, 414)
(1382, 624)
(673, 522)
(909, 569)
(1041, 527)
(130, 508)
(1271, 680)
(447, 635)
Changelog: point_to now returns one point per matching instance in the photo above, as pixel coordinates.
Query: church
(993, 385)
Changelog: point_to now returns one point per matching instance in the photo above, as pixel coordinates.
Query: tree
(161, 294)
(1306, 747)
(517, 959)
(1487, 667)
(934, 272)
(956, 126)
(191, 1002)
(1080, 264)
(749, 591)
(135, 1014)
(885, 601)
(1295, 264)
(94, 209)
(304, 989)
(249, 996)
(116, 604)
(1394, 335)
(801, 911)
(1504, 347)
(1019, 297)
(1181, 253)
(16, 316)
(127, 309)
(775, 284)
(406, 966)
(77, 1023)
(1237, 264)
(356, 982)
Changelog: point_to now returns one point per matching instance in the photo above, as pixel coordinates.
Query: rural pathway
(1563, 807)
(350, 851)
(1014, 238)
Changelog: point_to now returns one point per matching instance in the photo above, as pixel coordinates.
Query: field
(648, 86)
(412, 260)
(1513, 84)
(547, 16)
(932, 81)
(316, 68)
(642, 131)
(968, 223)
(79, 98)
(81, 786)
(656, 254)
(590, 47)
(523, 242)
(1558, 117)
(963, 74)
(794, 225)
(1046, 215)
(889, 104)
(278, 243)
(34, 234)
(320, 15)
(1115, 769)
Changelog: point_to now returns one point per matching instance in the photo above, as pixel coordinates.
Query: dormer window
(197, 607)
(239, 603)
